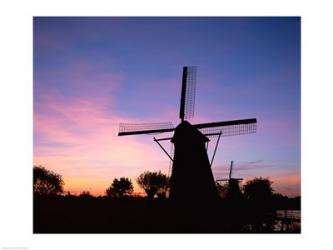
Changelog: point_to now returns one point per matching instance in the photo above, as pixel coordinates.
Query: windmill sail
(230, 172)
(145, 128)
(229, 128)
(187, 99)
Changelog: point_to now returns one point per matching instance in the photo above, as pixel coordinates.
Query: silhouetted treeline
(281, 202)
(155, 184)
(49, 183)
(251, 210)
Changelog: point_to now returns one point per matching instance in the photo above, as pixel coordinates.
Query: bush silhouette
(154, 183)
(120, 188)
(258, 190)
(46, 182)
(85, 194)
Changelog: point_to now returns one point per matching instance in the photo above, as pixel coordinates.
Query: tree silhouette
(163, 185)
(259, 193)
(258, 190)
(154, 183)
(120, 188)
(46, 182)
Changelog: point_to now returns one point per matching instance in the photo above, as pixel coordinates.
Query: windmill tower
(233, 192)
(190, 160)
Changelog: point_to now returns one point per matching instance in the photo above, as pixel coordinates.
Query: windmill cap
(186, 131)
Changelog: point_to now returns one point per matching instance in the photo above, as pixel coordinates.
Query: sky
(92, 73)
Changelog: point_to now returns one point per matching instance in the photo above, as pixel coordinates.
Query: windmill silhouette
(190, 159)
(233, 191)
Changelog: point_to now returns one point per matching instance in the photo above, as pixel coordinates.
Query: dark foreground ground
(139, 215)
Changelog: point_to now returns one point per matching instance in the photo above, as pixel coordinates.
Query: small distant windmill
(190, 160)
(233, 191)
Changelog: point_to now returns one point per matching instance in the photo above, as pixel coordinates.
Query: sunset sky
(90, 74)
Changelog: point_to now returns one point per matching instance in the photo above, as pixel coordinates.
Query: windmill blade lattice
(190, 92)
(187, 99)
(145, 128)
(230, 128)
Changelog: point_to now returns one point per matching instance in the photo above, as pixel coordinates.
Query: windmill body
(190, 160)
(191, 164)
(233, 192)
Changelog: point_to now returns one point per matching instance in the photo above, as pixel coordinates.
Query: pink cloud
(78, 138)
(289, 185)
